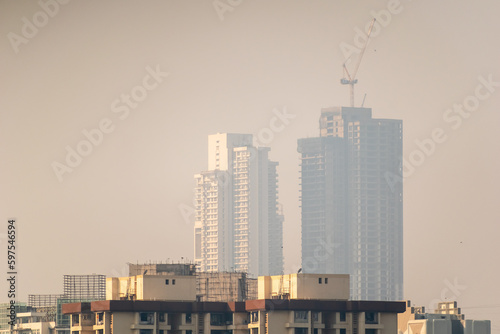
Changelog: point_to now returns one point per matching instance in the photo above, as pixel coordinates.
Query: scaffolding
(225, 286)
(85, 287)
(210, 286)
(43, 300)
(180, 269)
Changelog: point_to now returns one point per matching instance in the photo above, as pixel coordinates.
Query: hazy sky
(160, 76)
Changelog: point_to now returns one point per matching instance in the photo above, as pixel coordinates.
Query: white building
(32, 323)
(238, 226)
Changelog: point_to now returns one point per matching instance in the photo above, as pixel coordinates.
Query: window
(342, 331)
(371, 318)
(146, 331)
(319, 280)
(217, 319)
(146, 318)
(342, 316)
(326, 280)
(173, 282)
(161, 317)
(300, 316)
(370, 331)
(99, 319)
(75, 319)
(188, 318)
(167, 282)
(254, 316)
(300, 331)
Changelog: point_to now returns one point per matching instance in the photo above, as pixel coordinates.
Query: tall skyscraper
(238, 223)
(352, 216)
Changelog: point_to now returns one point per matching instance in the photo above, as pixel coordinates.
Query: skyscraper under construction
(352, 211)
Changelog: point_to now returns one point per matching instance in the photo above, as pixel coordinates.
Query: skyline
(236, 75)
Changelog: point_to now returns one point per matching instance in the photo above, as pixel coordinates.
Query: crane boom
(349, 79)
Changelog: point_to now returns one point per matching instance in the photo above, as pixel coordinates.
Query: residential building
(33, 323)
(238, 221)
(78, 288)
(352, 216)
(151, 287)
(5, 312)
(43, 312)
(225, 287)
(446, 319)
(210, 286)
(302, 314)
(304, 286)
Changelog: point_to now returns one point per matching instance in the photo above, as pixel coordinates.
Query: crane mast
(349, 79)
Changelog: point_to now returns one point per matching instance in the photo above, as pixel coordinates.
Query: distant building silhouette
(238, 224)
(352, 210)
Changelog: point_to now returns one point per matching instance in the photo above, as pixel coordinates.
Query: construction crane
(349, 79)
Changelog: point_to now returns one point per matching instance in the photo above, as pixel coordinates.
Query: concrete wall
(155, 288)
(122, 322)
(146, 287)
(308, 286)
(276, 322)
(389, 322)
(305, 286)
(477, 327)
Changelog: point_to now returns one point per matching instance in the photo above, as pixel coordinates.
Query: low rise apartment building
(288, 304)
(446, 319)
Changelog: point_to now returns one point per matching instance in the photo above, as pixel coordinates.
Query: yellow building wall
(154, 287)
(389, 322)
(122, 322)
(276, 322)
(305, 286)
(144, 287)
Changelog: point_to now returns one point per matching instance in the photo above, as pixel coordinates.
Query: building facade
(210, 286)
(352, 211)
(258, 316)
(6, 310)
(446, 319)
(304, 286)
(151, 287)
(317, 304)
(32, 323)
(238, 221)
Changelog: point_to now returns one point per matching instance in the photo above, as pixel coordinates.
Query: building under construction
(225, 286)
(181, 269)
(210, 286)
(46, 304)
(85, 287)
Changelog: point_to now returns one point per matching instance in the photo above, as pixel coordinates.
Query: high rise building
(352, 211)
(238, 223)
